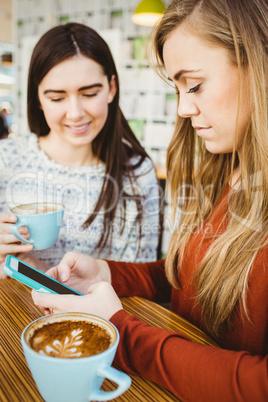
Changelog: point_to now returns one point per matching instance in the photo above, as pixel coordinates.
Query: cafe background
(148, 103)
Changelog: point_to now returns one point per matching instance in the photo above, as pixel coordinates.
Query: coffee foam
(32, 209)
(70, 338)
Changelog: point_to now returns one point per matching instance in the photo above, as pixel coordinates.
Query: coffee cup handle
(121, 379)
(14, 230)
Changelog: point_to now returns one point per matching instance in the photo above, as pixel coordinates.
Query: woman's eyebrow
(60, 91)
(98, 85)
(178, 75)
(54, 91)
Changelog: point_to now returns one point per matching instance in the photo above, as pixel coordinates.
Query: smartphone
(33, 278)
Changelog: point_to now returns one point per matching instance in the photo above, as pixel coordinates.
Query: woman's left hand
(101, 300)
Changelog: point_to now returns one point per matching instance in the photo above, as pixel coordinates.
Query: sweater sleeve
(138, 241)
(146, 280)
(193, 372)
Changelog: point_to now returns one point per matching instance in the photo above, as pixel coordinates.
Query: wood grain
(17, 311)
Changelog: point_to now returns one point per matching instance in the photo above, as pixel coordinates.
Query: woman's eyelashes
(62, 98)
(194, 89)
(56, 99)
(191, 90)
(90, 95)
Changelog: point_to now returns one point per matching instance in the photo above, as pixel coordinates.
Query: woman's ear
(113, 89)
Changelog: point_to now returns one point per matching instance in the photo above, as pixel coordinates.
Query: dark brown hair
(116, 143)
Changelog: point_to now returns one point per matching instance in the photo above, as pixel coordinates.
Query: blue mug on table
(43, 221)
(70, 354)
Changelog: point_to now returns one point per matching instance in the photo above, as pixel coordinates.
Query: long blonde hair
(240, 26)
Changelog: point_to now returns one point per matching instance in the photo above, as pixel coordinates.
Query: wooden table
(17, 310)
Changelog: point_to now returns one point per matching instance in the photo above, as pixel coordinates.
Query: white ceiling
(6, 21)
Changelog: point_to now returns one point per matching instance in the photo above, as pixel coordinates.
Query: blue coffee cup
(43, 221)
(74, 379)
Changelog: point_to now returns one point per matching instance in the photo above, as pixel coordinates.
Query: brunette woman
(81, 152)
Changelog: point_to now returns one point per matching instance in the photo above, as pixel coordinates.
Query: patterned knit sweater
(27, 175)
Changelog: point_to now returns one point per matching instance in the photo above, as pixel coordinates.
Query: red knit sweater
(236, 372)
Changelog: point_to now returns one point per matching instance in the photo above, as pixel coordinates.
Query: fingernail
(33, 295)
(28, 247)
(22, 230)
(12, 218)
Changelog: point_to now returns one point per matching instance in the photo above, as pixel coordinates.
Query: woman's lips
(79, 129)
(201, 130)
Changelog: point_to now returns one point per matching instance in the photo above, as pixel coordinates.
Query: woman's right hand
(9, 244)
(80, 271)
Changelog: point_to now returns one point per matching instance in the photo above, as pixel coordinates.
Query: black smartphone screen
(45, 280)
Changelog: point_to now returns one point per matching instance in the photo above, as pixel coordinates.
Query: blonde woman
(216, 270)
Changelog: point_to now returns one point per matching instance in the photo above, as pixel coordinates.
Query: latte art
(70, 339)
(67, 348)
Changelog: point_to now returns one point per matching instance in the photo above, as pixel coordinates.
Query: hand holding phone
(34, 278)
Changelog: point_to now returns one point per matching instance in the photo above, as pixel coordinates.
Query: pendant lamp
(148, 12)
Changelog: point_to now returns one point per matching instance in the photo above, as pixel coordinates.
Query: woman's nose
(75, 109)
(187, 107)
